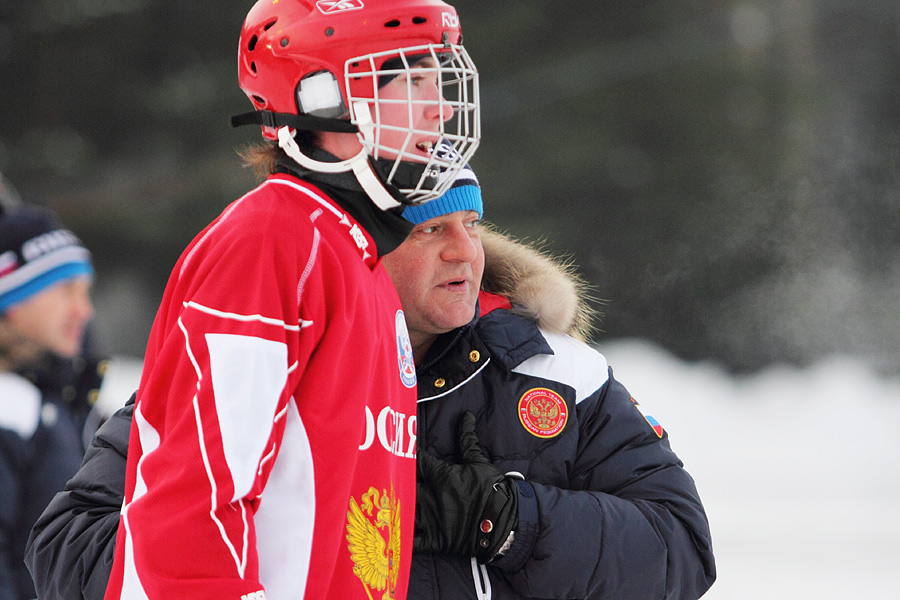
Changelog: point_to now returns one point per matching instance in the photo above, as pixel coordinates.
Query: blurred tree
(725, 173)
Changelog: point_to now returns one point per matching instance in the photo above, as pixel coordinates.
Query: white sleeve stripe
(190, 353)
(313, 254)
(246, 318)
(573, 363)
(239, 563)
(323, 201)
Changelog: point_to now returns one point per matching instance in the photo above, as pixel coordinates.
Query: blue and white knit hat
(35, 253)
(464, 194)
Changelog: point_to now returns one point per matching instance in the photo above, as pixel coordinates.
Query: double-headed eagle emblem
(543, 412)
(376, 556)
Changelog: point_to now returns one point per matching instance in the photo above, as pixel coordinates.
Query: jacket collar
(458, 355)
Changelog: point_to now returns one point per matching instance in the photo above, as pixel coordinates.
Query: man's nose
(460, 245)
(83, 306)
(438, 107)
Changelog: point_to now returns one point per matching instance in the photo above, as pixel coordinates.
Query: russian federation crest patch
(404, 351)
(657, 428)
(543, 412)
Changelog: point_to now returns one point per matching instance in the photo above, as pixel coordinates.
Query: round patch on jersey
(543, 412)
(404, 351)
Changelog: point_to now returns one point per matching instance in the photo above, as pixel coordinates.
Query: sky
(799, 470)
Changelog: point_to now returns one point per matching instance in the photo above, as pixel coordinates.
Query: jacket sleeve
(630, 527)
(70, 550)
(12, 452)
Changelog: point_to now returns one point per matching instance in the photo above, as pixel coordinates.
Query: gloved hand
(466, 509)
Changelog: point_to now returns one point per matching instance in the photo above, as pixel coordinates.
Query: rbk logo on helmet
(450, 20)
(328, 7)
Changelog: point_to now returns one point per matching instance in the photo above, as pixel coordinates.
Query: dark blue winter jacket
(606, 510)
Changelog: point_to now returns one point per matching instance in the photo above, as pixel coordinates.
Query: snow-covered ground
(799, 470)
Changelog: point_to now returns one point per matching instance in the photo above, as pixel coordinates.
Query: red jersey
(272, 453)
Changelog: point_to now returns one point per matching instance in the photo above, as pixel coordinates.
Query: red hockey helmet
(325, 61)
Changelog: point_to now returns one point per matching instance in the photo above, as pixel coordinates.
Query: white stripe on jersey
(287, 514)
(149, 439)
(248, 376)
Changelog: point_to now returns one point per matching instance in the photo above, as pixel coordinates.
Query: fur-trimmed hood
(540, 286)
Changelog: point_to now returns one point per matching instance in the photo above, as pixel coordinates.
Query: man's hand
(466, 509)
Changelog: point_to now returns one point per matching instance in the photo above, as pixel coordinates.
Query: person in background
(45, 306)
(280, 341)
(538, 474)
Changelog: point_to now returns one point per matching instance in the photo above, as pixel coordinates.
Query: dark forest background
(725, 173)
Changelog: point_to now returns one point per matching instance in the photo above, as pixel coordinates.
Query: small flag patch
(654, 424)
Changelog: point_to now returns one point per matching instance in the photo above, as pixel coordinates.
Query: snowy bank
(799, 470)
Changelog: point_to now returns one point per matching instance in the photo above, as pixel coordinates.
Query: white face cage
(396, 143)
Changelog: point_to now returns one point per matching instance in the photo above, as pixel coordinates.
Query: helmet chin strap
(359, 164)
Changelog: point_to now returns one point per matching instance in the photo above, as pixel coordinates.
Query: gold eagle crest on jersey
(375, 555)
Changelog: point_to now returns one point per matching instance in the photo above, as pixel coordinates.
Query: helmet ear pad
(319, 94)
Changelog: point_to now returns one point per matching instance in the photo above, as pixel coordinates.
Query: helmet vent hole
(419, 20)
(259, 100)
(251, 45)
(270, 24)
(393, 23)
(253, 67)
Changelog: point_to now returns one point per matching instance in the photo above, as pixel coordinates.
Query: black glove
(466, 509)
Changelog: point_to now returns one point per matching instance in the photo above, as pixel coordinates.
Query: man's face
(55, 318)
(410, 101)
(437, 272)
(408, 116)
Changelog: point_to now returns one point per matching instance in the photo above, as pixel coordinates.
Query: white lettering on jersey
(260, 595)
(359, 237)
(392, 429)
(370, 431)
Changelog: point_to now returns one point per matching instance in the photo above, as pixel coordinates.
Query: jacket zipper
(482, 581)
